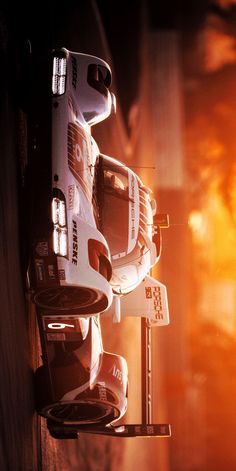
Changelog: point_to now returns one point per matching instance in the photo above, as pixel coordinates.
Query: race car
(93, 235)
(78, 383)
(80, 388)
(70, 265)
(93, 241)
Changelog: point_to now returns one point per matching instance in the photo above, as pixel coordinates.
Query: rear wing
(72, 431)
(149, 300)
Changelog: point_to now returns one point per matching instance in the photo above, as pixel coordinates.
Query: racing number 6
(59, 325)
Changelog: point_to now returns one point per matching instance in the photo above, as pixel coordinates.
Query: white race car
(92, 241)
(93, 233)
(79, 384)
(80, 388)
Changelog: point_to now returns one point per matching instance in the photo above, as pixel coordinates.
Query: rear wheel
(81, 412)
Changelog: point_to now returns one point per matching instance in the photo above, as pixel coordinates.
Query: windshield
(115, 220)
(115, 201)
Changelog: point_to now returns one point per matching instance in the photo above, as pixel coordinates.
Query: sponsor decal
(102, 391)
(39, 268)
(59, 325)
(79, 151)
(79, 154)
(74, 243)
(62, 275)
(42, 249)
(52, 324)
(154, 292)
(74, 71)
(56, 336)
(117, 373)
(148, 291)
(132, 208)
(52, 272)
(148, 429)
(71, 196)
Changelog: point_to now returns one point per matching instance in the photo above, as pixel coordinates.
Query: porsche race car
(78, 383)
(93, 234)
(93, 241)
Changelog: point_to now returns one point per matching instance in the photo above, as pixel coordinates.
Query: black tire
(60, 432)
(79, 300)
(83, 412)
(63, 436)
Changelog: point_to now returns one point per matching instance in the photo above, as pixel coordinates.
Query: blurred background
(181, 132)
(174, 73)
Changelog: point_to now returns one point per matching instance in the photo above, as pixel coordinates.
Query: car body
(95, 237)
(92, 241)
(79, 383)
(70, 262)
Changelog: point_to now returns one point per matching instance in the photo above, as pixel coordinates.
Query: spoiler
(64, 431)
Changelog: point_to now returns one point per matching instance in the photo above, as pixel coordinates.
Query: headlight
(59, 76)
(60, 233)
(59, 212)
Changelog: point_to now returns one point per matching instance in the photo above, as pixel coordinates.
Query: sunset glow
(198, 225)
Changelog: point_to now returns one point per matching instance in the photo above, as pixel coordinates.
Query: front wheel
(79, 300)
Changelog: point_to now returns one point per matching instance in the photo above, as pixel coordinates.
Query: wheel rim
(64, 298)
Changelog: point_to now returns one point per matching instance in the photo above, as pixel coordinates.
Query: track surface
(25, 444)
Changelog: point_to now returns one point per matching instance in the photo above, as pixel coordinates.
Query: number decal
(59, 325)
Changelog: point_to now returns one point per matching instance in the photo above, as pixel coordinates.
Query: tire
(79, 300)
(63, 436)
(60, 432)
(84, 411)
(79, 412)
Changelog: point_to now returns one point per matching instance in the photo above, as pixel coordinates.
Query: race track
(25, 444)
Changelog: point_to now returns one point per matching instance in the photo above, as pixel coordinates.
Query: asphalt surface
(19, 353)
(25, 444)
(16, 392)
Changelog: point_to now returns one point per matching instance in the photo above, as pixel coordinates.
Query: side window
(99, 77)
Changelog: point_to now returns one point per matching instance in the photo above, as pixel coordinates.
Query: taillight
(60, 232)
(99, 259)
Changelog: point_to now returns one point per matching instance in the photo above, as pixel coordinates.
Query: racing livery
(70, 262)
(100, 238)
(94, 236)
(81, 383)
